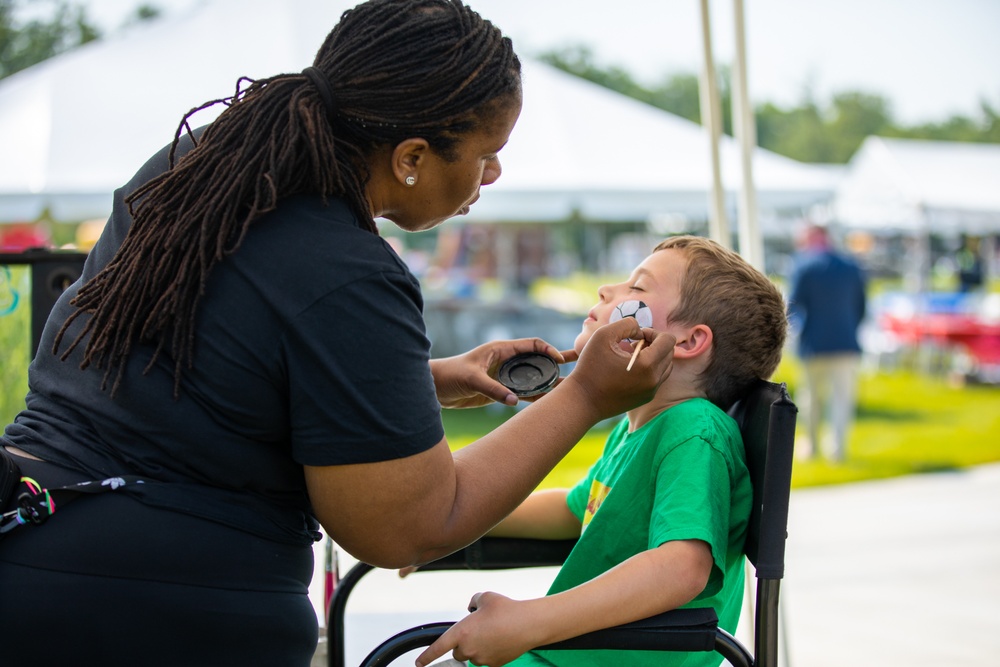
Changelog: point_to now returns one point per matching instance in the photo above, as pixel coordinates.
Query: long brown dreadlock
(397, 69)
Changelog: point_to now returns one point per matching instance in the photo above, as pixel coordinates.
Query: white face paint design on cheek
(633, 308)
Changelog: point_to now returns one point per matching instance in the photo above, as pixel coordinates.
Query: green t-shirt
(682, 476)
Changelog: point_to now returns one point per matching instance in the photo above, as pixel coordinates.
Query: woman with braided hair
(244, 358)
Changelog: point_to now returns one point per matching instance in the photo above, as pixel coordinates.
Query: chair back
(766, 417)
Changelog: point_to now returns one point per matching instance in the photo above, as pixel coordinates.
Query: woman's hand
(601, 372)
(498, 631)
(470, 380)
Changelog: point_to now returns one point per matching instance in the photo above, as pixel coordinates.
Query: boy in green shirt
(662, 515)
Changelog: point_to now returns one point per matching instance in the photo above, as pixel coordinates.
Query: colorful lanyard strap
(37, 504)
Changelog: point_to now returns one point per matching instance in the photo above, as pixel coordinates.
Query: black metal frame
(52, 271)
(766, 416)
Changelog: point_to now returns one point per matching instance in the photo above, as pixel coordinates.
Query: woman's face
(444, 188)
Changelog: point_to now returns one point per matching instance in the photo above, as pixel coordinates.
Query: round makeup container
(529, 374)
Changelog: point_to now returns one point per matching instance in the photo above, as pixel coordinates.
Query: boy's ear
(697, 342)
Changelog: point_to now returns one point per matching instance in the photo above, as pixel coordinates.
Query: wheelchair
(766, 417)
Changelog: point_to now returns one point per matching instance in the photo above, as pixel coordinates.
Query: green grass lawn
(907, 423)
(911, 423)
(15, 339)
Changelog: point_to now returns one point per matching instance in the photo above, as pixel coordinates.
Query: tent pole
(745, 131)
(711, 120)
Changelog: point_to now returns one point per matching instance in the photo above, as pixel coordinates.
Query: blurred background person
(826, 304)
(970, 264)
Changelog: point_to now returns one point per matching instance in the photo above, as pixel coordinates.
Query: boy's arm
(543, 515)
(654, 581)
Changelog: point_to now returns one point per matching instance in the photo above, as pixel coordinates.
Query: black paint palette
(529, 374)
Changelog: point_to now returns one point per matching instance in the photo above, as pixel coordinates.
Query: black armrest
(502, 553)
(675, 630)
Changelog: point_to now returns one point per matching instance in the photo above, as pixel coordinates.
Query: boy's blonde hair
(744, 310)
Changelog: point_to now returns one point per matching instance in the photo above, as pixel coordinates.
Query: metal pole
(745, 131)
(711, 119)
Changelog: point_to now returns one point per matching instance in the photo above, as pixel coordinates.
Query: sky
(931, 59)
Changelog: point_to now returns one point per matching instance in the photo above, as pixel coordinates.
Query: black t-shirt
(310, 350)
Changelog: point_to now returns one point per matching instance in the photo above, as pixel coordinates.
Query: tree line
(56, 26)
(809, 132)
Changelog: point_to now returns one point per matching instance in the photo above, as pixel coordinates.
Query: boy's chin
(580, 341)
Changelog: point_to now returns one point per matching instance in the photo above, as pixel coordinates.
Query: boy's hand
(498, 630)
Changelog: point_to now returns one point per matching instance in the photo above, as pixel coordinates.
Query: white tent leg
(711, 120)
(745, 131)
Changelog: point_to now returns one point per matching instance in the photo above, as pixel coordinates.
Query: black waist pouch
(10, 477)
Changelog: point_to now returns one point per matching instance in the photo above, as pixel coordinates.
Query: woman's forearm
(414, 510)
(494, 474)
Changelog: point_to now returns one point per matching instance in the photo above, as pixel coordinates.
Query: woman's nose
(492, 171)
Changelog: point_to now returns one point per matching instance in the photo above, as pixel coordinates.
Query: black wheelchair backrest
(766, 417)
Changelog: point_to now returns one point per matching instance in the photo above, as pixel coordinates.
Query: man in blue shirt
(826, 305)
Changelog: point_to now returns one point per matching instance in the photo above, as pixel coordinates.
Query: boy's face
(656, 282)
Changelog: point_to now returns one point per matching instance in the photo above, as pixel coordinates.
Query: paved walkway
(904, 572)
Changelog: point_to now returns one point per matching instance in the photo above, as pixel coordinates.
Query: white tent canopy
(922, 186)
(78, 126)
(581, 148)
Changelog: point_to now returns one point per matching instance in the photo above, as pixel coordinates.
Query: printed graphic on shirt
(598, 492)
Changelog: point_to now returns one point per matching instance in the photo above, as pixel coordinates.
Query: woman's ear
(406, 158)
(698, 341)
